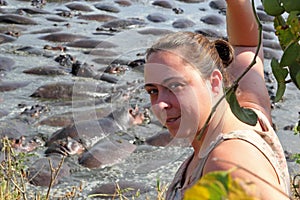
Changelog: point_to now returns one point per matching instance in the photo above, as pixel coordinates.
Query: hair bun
(225, 51)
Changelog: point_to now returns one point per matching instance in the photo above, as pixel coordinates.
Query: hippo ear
(134, 111)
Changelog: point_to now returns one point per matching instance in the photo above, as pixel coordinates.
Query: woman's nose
(164, 100)
(162, 105)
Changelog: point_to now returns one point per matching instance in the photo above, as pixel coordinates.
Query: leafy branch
(288, 33)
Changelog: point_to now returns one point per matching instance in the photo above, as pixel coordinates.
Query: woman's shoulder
(252, 155)
(246, 161)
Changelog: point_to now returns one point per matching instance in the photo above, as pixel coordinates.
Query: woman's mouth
(171, 120)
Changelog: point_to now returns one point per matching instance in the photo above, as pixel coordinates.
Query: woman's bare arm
(242, 30)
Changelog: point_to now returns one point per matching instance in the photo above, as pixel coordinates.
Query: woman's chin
(178, 134)
(172, 133)
(183, 134)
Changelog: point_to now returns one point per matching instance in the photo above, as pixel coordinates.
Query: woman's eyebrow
(179, 78)
(164, 81)
(148, 85)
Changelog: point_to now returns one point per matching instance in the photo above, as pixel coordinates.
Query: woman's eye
(175, 86)
(152, 91)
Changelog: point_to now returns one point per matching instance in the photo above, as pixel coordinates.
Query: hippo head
(25, 144)
(66, 146)
(127, 117)
(136, 117)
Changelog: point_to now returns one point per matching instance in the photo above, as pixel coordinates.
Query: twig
(55, 172)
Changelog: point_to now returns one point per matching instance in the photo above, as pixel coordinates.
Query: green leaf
(218, 185)
(213, 185)
(290, 55)
(291, 58)
(280, 74)
(272, 7)
(287, 31)
(245, 115)
(293, 22)
(291, 5)
(295, 73)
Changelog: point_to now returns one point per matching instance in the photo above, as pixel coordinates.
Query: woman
(185, 76)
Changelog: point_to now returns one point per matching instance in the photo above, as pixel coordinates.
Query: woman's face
(179, 97)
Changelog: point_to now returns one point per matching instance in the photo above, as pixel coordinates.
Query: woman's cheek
(160, 114)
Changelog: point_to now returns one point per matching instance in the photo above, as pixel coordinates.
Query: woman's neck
(222, 122)
(217, 125)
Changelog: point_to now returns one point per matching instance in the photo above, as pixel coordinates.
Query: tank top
(265, 141)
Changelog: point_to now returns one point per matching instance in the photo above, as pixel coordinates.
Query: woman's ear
(216, 81)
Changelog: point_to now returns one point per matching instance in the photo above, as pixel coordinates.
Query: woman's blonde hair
(198, 51)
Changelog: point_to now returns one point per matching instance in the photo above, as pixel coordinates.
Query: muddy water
(148, 163)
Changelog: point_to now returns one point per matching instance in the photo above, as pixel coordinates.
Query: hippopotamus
(28, 50)
(123, 2)
(124, 23)
(107, 7)
(115, 69)
(62, 37)
(12, 85)
(67, 90)
(16, 19)
(47, 71)
(163, 3)
(40, 171)
(108, 190)
(85, 70)
(106, 152)
(91, 43)
(6, 38)
(33, 11)
(6, 64)
(47, 30)
(154, 31)
(81, 135)
(97, 17)
(34, 111)
(183, 23)
(79, 7)
(212, 19)
(21, 139)
(157, 17)
(65, 119)
(55, 91)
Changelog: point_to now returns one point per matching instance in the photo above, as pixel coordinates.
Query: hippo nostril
(38, 140)
(18, 141)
